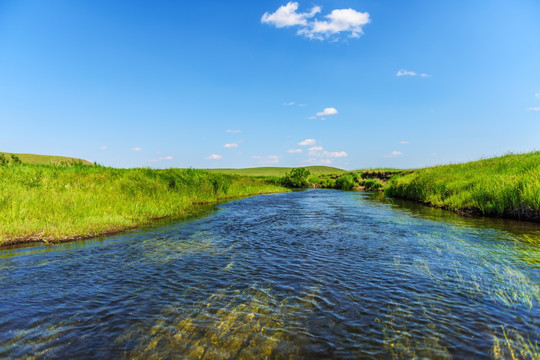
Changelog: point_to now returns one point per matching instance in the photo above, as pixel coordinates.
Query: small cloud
(328, 111)
(537, 95)
(294, 151)
(315, 161)
(338, 21)
(301, 105)
(214, 157)
(394, 153)
(286, 16)
(162, 158)
(424, 75)
(336, 154)
(136, 149)
(307, 142)
(234, 131)
(403, 142)
(312, 117)
(233, 145)
(289, 103)
(103, 147)
(534, 108)
(316, 148)
(404, 72)
(270, 159)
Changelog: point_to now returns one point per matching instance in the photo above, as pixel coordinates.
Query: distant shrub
(373, 184)
(15, 160)
(298, 177)
(3, 160)
(346, 182)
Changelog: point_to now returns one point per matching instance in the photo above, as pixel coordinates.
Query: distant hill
(44, 159)
(277, 171)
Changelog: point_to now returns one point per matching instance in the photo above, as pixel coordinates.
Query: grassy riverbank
(56, 203)
(507, 186)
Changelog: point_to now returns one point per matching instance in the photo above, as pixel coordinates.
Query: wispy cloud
(318, 161)
(318, 151)
(405, 72)
(294, 151)
(291, 103)
(230, 131)
(394, 154)
(214, 157)
(534, 108)
(270, 159)
(103, 147)
(347, 21)
(328, 111)
(403, 142)
(136, 149)
(233, 145)
(162, 158)
(537, 95)
(307, 142)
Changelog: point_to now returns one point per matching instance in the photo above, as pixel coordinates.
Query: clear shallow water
(311, 274)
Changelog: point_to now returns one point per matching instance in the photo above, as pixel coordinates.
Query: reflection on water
(312, 274)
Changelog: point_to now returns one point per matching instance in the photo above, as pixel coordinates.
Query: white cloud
(162, 158)
(338, 21)
(294, 151)
(336, 154)
(403, 142)
(424, 75)
(328, 111)
(312, 117)
(234, 131)
(307, 142)
(404, 72)
(136, 149)
(270, 159)
(214, 157)
(318, 151)
(394, 153)
(534, 108)
(537, 95)
(103, 147)
(315, 161)
(286, 16)
(291, 103)
(233, 145)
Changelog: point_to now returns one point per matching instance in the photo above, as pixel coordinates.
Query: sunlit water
(311, 274)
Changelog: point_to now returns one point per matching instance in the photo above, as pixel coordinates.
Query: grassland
(56, 202)
(45, 159)
(506, 186)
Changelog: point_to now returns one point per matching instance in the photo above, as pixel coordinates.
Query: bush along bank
(54, 203)
(357, 180)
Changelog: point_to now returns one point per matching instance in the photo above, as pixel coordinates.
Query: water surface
(310, 274)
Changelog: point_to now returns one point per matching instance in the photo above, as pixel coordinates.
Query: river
(308, 274)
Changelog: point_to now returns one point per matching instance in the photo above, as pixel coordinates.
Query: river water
(308, 274)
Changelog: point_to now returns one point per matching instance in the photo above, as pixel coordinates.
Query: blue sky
(250, 83)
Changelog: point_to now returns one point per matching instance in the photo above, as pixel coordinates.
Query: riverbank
(54, 203)
(506, 186)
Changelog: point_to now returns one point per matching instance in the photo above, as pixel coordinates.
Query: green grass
(276, 171)
(502, 186)
(54, 203)
(45, 159)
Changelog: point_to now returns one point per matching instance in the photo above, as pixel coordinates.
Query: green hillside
(506, 186)
(277, 171)
(44, 159)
